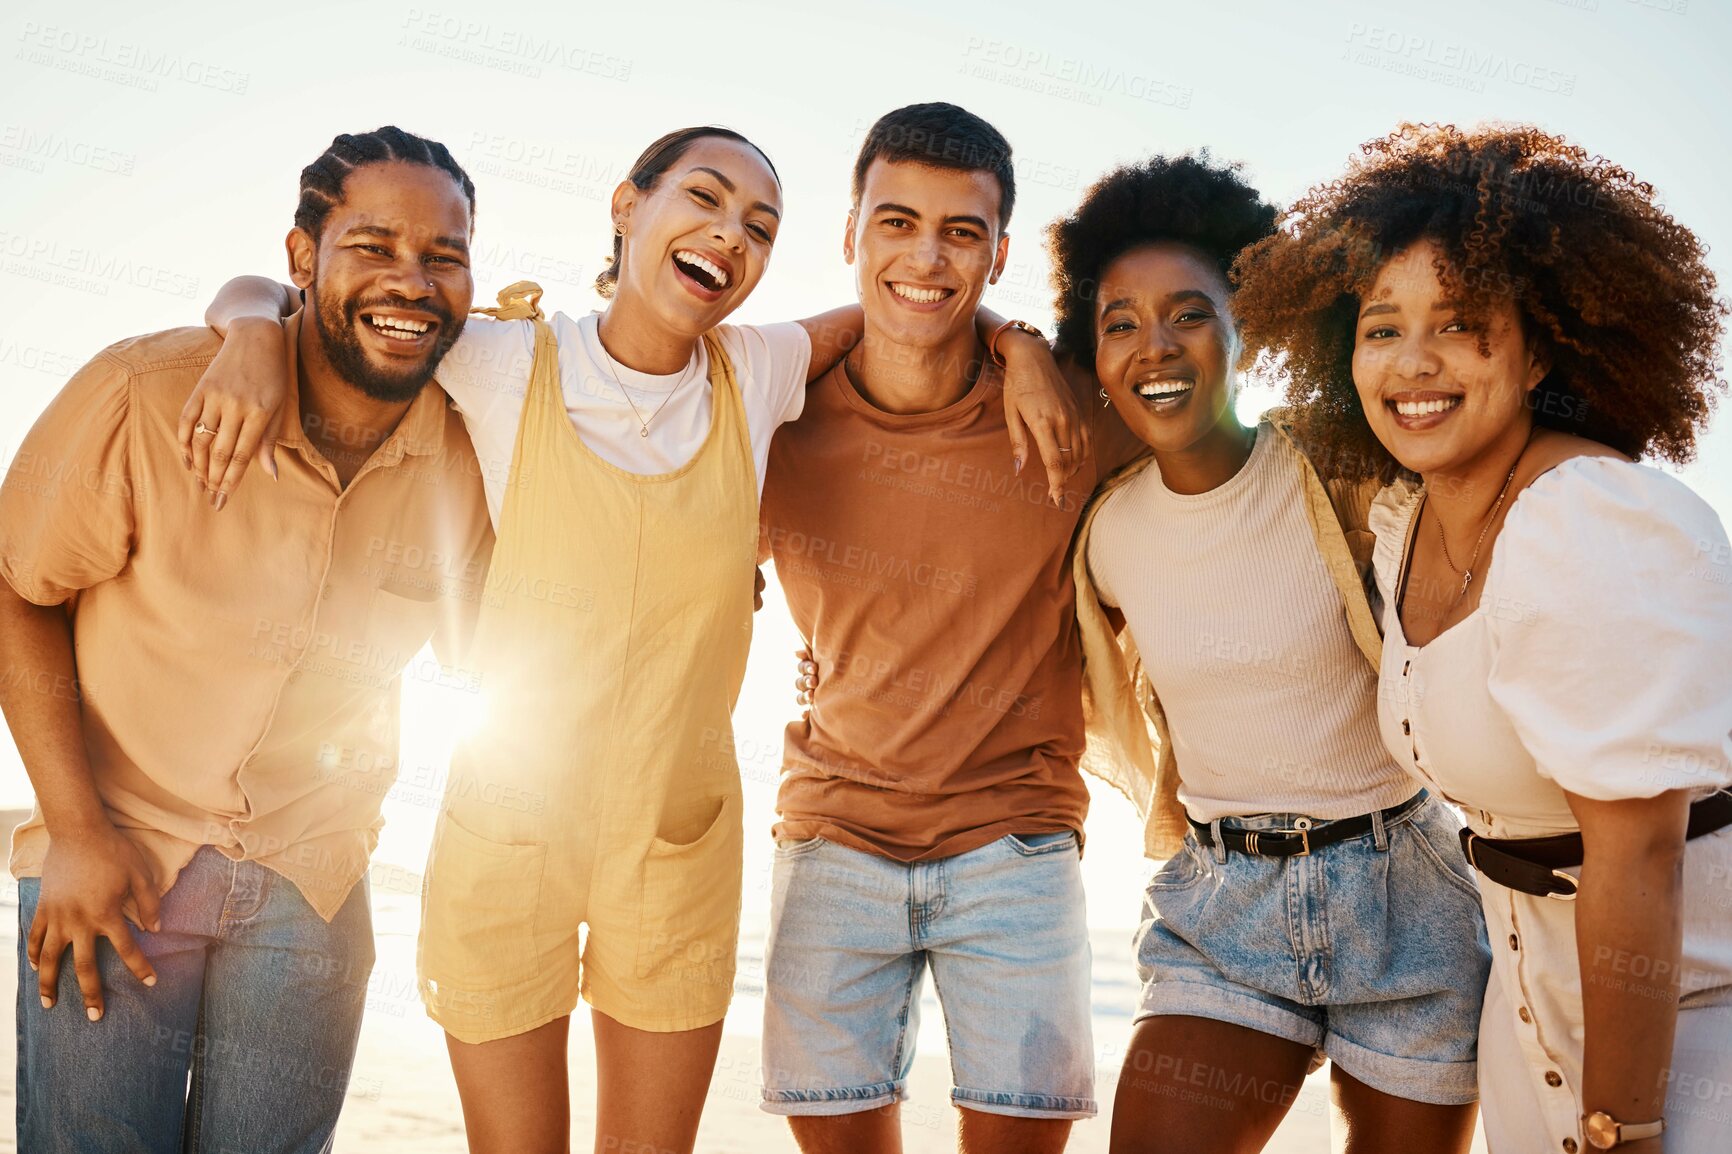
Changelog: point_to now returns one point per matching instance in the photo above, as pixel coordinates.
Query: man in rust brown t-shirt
(931, 804)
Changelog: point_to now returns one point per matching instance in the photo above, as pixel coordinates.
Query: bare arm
(1629, 938)
(1037, 402)
(92, 873)
(240, 395)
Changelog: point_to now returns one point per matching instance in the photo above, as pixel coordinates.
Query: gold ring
(201, 427)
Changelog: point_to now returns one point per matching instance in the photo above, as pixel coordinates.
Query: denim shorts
(1372, 950)
(1004, 931)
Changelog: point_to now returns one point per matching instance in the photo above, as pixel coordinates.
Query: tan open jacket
(1128, 743)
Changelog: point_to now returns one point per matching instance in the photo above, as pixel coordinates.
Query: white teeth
(1163, 389)
(687, 256)
(400, 325)
(918, 295)
(1422, 408)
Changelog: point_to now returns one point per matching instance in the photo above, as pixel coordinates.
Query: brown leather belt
(1535, 865)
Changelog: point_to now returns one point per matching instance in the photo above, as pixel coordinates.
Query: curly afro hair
(1613, 289)
(1184, 199)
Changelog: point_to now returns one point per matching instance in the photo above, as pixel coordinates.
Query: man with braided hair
(207, 707)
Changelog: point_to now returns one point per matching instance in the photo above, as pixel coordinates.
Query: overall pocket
(690, 918)
(478, 910)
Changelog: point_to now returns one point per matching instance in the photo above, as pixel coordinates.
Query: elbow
(1639, 837)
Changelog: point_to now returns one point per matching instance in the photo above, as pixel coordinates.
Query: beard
(337, 323)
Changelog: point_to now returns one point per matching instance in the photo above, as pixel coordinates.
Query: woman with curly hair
(1312, 904)
(1517, 323)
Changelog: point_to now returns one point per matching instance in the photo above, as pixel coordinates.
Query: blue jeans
(1372, 950)
(1004, 932)
(257, 998)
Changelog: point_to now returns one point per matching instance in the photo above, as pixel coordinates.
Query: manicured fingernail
(186, 461)
(94, 1014)
(1019, 466)
(271, 468)
(150, 981)
(47, 1002)
(221, 500)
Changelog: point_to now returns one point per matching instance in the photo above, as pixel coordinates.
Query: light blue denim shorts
(1004, 931)
(1371, 950)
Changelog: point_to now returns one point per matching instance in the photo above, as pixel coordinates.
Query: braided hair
(322, 181)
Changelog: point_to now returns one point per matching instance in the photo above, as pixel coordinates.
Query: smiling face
(924, 243)
(388, 276)
(698, 242)
(1430, 396)
(1165, 344)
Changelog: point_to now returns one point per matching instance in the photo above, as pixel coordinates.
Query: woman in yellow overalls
(603, 791)
(622, 454)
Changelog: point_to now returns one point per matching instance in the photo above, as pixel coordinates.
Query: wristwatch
(992, 341)
(1604, 1131)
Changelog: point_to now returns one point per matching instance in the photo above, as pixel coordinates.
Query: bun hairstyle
(646, 172)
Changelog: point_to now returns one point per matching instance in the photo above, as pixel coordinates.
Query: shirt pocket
(690, 917)
(400, 621)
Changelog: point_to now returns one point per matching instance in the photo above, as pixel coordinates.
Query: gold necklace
(1467, 574)
(643, 425)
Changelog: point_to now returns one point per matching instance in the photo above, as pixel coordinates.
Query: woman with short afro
(1504, 325)
(1312, 903)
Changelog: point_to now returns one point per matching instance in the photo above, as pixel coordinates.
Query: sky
(148, 153)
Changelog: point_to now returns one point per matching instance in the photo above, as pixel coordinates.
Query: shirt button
(1524, 1015)
(1554, 1079)
(1569, 1146)
(1514, 942)
(326, 592)
(296, 676)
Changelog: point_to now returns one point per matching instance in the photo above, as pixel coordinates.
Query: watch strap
(992, 341)
(1636, 1131)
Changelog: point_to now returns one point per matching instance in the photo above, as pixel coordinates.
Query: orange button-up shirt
(239, 672)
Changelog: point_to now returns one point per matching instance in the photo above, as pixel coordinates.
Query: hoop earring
(1105, 400)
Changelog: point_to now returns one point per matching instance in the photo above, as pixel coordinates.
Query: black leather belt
(1535, 865)
(1299, 842)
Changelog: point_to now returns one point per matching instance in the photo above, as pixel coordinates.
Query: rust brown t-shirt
(932, 584)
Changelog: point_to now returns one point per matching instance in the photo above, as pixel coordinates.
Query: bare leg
(1368, 1121)
(650, 1087)
(867, 1132)
(983, 1133)
(1198, 1086)
(516, 1099)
